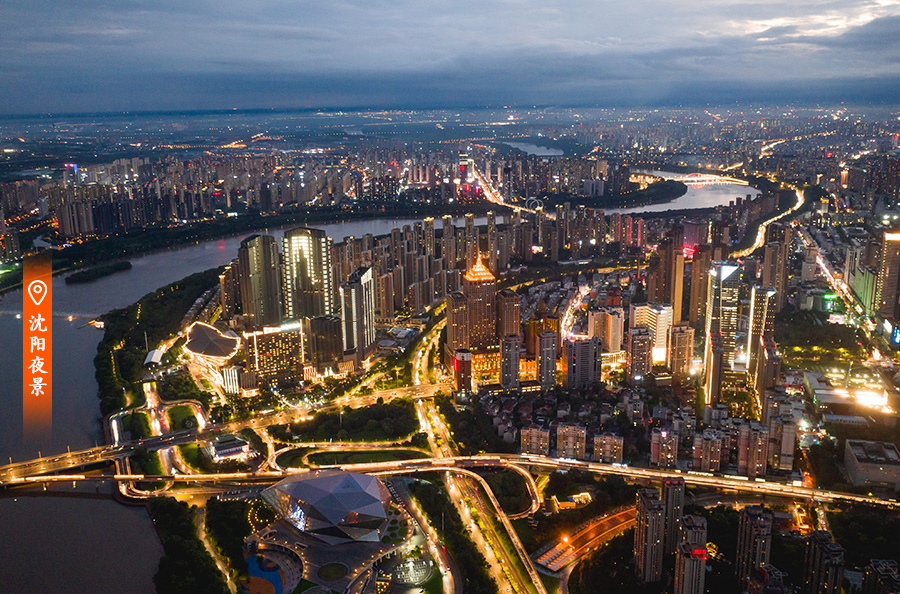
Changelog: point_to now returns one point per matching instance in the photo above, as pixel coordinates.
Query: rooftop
(479, 273)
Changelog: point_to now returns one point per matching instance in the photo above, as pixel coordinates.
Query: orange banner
(37, 348)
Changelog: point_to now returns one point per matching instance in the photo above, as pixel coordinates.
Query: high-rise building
(690, 569)
(275, 353)
(510, 357)
(754, 541)
(663, 448)
(259, 279)
(881, 577)
(887, 283)
(607, 324)
(448, 241)
(722, 310)
(768, 367)
(762, 311)
(480, 288)
(608, 448)
(324, 344)
(671, 253)
(707, 451)
(657, 317)
(535, 440)
(776, 270)
(547, 359)
(681, 352)
(308, 289)
(462, 370)
(650, 518)
(358, 314)
(673, 498)
(823, 566)
(753, 449)
(471, 239)
(582, 362)
(638, 362)
(457, 323)
(693, 530)
(700, 267)
(508, 313)
(429, 237)
(571, 441)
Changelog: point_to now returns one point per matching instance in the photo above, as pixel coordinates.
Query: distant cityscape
(650, 349)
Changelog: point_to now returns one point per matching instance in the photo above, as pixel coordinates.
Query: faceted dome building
(334, 507)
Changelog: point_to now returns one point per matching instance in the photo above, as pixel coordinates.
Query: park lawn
(292, 458)
(192, 456)
(434, 584)
(138, 424)
(181, 417)
(363, 456)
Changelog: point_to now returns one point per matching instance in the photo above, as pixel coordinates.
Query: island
(97, 272)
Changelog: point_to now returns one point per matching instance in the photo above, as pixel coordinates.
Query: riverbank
(97, 272)
(147, 241)
(656, 193)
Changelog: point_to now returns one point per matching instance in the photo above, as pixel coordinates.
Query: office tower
(358, 314)
(429, 237)
(547, 359)
(324, 344)
(690, 569)
(776, 270)
(462, 370)
(608, 448)
(571, 441)
(493, 242)
(508, 313)
(671, 254)
(707, 451)
(480, 288)
(657, 317)
(384, 296)
(260, 281)
(681, 352)
(663, 448)
(722, 309)
(673, 498)
(510, 356)
(823, 566)
(582, 362)
(471, 239)
(753, 449)
(308, 273)
(754, 541)
(693, 531)
(887, 283)
(275, 353)
(762, 311)
(457, 324)
(881, 577)
(638, 362)
(535, 440)
(767, 580)
(650, 518)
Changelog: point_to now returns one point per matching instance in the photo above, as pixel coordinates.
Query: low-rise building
(872, 463)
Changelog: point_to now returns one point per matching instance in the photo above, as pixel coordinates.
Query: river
(75, 545)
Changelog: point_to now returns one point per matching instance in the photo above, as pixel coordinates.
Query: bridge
(704, 179)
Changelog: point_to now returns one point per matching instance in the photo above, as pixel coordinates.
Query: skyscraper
(722, 309)
(608, 324)
(582, 362)
(480, 288)
(673, 498)
(358, 314)
(823, 566)
(259, 280)
(887, 283)
(429, 237)
(715, 369)
(775, 271)
(308, 287)
(690, 569)
(471, 239)
(510, 356)
(754, 541)
(547, 359)
(762, 311)
(648, 535)
(324, 343)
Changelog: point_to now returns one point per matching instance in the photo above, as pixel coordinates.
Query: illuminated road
(761, 231)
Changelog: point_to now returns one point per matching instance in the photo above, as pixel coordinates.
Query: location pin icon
(37, 290)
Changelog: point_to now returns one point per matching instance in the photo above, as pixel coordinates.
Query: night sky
(64, 56)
